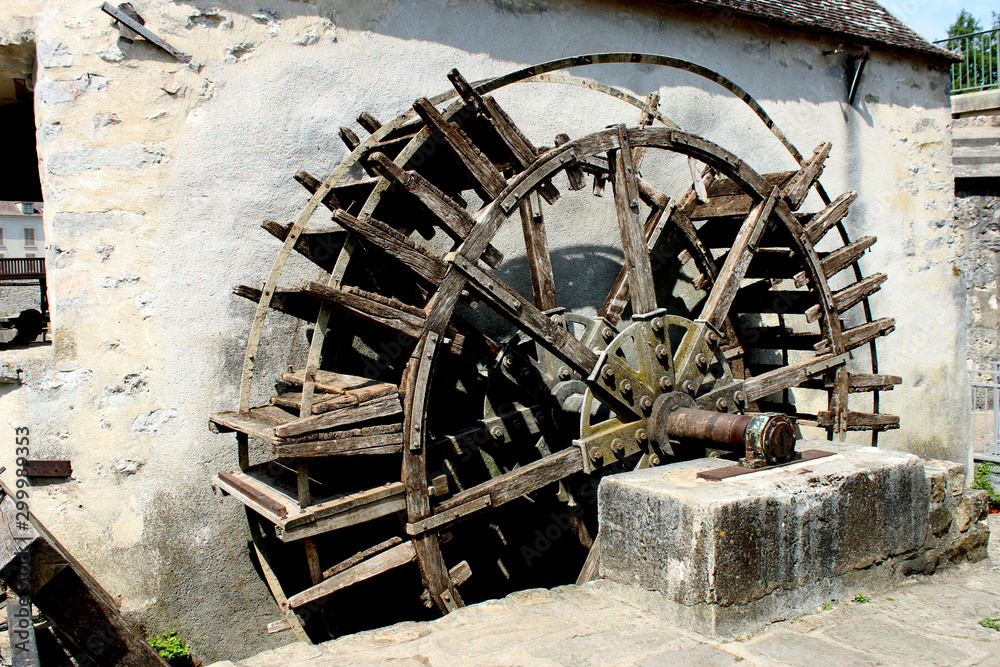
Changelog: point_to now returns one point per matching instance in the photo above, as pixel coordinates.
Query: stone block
(727, 557)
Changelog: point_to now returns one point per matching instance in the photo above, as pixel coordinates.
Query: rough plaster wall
(156, 176)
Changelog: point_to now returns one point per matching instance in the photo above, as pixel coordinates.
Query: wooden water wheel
(415, 433)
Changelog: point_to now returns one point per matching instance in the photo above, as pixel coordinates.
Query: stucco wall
(156, 176)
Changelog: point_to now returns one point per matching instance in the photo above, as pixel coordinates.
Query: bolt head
(497, 433)
(564, 373)
(641, 435)
(608, 334)
(617, 444)
(508, 362)
(646, 403)
(713, 338)
(654, 460)
(665, 383)
(688, 387)
(608, 373)
(722, 404)
(661, 352)
(701, 360)
(626, 387)
(738, 397)
(657, 324)
(596, 455)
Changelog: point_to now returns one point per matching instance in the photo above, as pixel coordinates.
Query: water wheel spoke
(455, 220)
(796, 190)
(637, 264)
(829, 217)
(390, 242)
(543, 283)
(731, 274)
(529, 319)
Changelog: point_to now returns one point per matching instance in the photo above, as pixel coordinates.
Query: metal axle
(766, 438)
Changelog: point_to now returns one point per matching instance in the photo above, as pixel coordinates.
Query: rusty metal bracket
(719, 474)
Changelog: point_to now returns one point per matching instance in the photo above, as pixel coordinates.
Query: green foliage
(965, 24)
(991, 623)
(981, 480)
(170, 647)
(979, 69)
(861, 598)
(827, 606)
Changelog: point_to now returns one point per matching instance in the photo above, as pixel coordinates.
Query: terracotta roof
(860, 21)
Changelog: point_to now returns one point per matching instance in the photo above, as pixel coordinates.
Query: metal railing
(980, 53)
(22, 267)
(985, 385)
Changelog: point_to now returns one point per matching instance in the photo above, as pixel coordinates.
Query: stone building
(156, 175)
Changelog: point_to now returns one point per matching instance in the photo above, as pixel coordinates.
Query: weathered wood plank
(360, 556)
(626, 191)
(828, 218)
(455, 220)
(731, 274)
(349, 414)
(369, 122)
(416, 258)
(860, 421)
(577, 179)
(60, 587)
(862, 334)
(449, 516)
(388, 443)
(518, 482)
(482, 170)
(727, 199)
(864, 382)
(789, 376)
(838, 260)
(851, 295)
(369, 306)
(543, 283)
(289, 301)
(796, 190)
(529, 319)
(399, 555)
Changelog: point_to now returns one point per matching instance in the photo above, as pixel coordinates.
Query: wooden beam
(828, 218)
(543, 284)
(797, 189)
(390, 242)
(731, 274)
(59, 586)
(369, 306)
(399, 555)
(637, 264)
(455, 220)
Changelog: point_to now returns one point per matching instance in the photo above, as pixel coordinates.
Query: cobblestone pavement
(929, 621)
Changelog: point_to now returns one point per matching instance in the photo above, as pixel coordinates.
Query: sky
(931, 18)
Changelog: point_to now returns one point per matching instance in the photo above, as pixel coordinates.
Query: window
(1, 237)
(29, 255)
(29, 237)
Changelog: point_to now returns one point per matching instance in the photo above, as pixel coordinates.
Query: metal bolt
(722, 404)
(497, 433)
(508, 362)
(608, 373)
(687, 387)
(654, 460)
(608, 334)
(665, 383)
(713, 338)
(657, 324)
(646, 403)
(564, 373)
(626, 387)
(661, 352)
(617, 444)
(640, 435)
(701, 360)
(596, 455)
(738, 397)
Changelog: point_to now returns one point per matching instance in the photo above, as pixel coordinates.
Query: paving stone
(888, 640)
(791, 648)
(701, 655)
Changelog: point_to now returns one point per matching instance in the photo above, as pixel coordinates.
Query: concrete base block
(725, 558)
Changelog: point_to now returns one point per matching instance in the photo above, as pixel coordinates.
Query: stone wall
(156, 176)
(979, 217)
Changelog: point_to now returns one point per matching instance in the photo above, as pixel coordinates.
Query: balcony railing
(980, 53)
(22, 267)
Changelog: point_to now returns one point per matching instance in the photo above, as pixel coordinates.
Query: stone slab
(725, 558)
